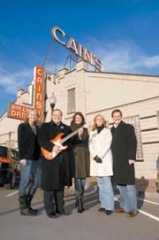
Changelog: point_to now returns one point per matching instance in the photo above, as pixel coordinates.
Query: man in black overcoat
(56, 168)
(124, 146)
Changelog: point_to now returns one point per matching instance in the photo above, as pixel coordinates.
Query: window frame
(71, 100)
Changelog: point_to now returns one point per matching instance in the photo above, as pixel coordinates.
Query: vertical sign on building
(39, 83)
(19, 111)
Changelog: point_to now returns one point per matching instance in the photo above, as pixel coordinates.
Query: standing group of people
(72, 152)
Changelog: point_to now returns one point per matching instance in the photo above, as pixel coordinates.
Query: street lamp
(52, 101)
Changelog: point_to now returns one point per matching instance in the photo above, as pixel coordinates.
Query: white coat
(100, 144)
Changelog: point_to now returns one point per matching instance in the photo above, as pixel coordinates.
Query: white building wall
(8, 131)
(74, 79)
(105, 90)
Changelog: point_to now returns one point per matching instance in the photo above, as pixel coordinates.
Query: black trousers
(54, 201)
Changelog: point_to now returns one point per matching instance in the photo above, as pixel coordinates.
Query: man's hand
(131, 161)
(56, 149)
(23, 162)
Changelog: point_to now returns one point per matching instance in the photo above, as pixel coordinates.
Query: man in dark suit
(56, 172)
(124, 146)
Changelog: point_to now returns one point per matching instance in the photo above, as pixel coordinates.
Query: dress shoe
(52, 215)
(101, 209)
(62, 212)
(108, 212)
(132, 214)
(119, 210)
(79, 210)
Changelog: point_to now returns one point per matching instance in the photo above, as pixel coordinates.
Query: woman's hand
(80, 132)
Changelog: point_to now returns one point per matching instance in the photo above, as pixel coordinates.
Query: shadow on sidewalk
(141, 185)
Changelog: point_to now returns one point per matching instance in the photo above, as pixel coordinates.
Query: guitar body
(57, 141)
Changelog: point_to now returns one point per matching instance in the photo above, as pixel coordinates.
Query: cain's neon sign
(76, 48)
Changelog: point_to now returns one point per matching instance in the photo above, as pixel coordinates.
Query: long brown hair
(94, 127)
(79, 114)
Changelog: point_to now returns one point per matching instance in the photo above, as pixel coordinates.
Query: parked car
(9, 167)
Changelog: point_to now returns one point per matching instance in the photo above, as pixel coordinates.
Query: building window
(134, 120)
(71, 101)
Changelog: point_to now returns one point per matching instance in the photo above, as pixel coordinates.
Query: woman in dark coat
(82, 160)
(55, 163)
(124, 147)
(29, 153)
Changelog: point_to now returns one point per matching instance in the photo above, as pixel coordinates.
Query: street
(90, 225)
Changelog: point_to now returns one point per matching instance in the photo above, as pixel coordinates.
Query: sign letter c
(54, 30)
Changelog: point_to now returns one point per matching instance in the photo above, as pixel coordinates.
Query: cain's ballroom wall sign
(76, 48)
(18, 111)
(39, 83)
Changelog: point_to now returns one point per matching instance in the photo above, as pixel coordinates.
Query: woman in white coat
(101, 164)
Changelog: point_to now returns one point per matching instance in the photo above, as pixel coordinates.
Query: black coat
(27, 142)
(58, 172)
(124, 146)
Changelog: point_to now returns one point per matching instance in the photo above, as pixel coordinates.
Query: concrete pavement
(90, 225)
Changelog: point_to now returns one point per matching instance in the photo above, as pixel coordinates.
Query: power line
(48, 51)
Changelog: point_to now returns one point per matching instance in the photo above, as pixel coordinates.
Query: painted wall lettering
(17, 111)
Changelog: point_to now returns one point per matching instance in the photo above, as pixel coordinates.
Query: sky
(123, 34)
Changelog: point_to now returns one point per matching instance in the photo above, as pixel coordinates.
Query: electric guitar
(58, 141)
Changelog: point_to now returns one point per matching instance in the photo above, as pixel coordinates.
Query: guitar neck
(69, 136)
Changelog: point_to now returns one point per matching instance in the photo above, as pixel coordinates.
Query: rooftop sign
(76, 48)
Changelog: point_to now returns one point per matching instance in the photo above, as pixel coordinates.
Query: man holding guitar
(55, 138)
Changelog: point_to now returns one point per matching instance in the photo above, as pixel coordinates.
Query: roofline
(3, 114)
(131, 74)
